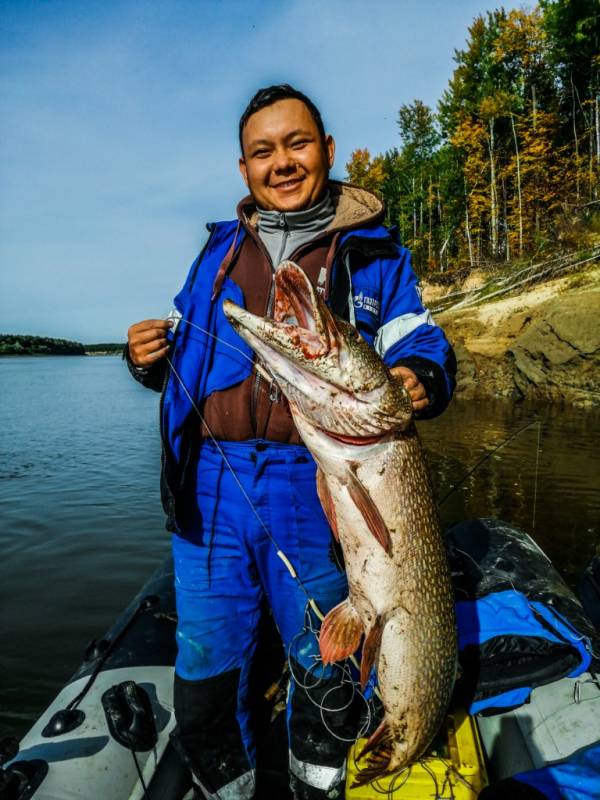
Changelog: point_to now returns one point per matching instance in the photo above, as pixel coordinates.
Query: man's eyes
(264, 152)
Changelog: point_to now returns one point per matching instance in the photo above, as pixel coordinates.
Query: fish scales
(411, 589)
(375, 489)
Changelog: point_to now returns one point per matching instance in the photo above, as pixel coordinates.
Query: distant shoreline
(27, 345)
(53, 355)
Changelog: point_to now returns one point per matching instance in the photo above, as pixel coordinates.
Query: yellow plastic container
(453, 769)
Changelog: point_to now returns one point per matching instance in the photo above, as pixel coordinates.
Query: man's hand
(413, 386)
(147, 341)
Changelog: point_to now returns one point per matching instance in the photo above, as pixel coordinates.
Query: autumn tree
(515, 139)
(362, 170)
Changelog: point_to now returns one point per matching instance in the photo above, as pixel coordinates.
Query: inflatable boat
(524, 721)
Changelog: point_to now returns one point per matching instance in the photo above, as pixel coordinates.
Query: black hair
(272, 94)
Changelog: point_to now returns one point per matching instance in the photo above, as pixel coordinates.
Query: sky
(118, 131)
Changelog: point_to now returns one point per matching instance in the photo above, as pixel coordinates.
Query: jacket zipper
(269, 310)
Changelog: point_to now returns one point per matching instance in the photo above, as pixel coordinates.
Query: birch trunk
(468, 227)
(429, 212)
(512, 121)
(505, 212)
(414, 211)
(493, 197)
(576, 140)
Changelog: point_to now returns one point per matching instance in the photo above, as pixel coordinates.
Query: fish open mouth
(303, 329)
(302, 313)
(321, 363)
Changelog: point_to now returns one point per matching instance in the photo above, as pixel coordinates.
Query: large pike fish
(375, 490)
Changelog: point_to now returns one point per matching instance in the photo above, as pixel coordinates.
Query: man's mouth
(288, 185)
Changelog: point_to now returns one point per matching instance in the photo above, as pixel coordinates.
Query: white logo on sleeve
(370, 304)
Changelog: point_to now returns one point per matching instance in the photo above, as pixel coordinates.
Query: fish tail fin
(379, 749)
(341, 632)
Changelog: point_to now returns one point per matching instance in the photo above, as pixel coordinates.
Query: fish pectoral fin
(370, 650)
(370, 513)
(341, 632)
(327, 502)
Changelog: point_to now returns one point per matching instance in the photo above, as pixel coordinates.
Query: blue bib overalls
(226, 566)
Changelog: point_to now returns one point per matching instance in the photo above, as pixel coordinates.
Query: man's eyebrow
(256, 142)
(290, 135)
(301, 131)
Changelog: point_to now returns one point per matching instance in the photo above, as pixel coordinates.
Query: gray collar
(311, 220)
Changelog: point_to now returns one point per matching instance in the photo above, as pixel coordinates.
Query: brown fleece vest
(246, 411)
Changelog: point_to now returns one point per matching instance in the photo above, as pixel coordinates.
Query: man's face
(286, 163)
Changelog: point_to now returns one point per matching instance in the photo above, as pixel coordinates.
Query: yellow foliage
(366, 172)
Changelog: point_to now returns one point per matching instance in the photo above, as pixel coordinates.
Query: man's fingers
(406, 375)
(419, 405)
(140, 353)
(150, 347)
(414, 387)
(158, 354)
(147, 335)
(417, 392)
(147, 341)
(147, 360)
(149, 324)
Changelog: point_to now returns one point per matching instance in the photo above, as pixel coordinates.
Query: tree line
(26, 345)
(512, 151)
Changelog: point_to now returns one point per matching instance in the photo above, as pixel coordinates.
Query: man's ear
(330, 148)
(243, 169)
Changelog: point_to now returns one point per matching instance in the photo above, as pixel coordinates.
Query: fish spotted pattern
(375, 489)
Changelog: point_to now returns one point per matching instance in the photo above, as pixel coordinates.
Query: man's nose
(284, 161)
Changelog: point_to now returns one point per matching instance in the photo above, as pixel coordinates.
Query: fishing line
(345, 680)
(247, 497)
(432, 775)
(401, 775)
(288, 564)
(535, 484)
(484, 458)
(260, 368)
(346, 676)
(451, 770)
(311, 603)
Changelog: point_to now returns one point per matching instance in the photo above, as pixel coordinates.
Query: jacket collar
(354, 208)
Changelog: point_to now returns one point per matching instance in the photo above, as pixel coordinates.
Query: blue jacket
(372, 284)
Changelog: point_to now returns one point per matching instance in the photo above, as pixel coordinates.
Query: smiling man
(238, 484)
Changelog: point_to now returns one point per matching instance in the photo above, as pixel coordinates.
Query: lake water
(81, 525)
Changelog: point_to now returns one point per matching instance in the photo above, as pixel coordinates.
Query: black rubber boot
(208, 735)
(324, 718)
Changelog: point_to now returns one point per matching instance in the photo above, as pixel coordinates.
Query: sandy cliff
(542, 343)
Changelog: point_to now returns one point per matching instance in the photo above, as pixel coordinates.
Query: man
(238, 485)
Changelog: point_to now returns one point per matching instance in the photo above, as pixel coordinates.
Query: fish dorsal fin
(341, 632)
(371, 515)
(327, 502)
